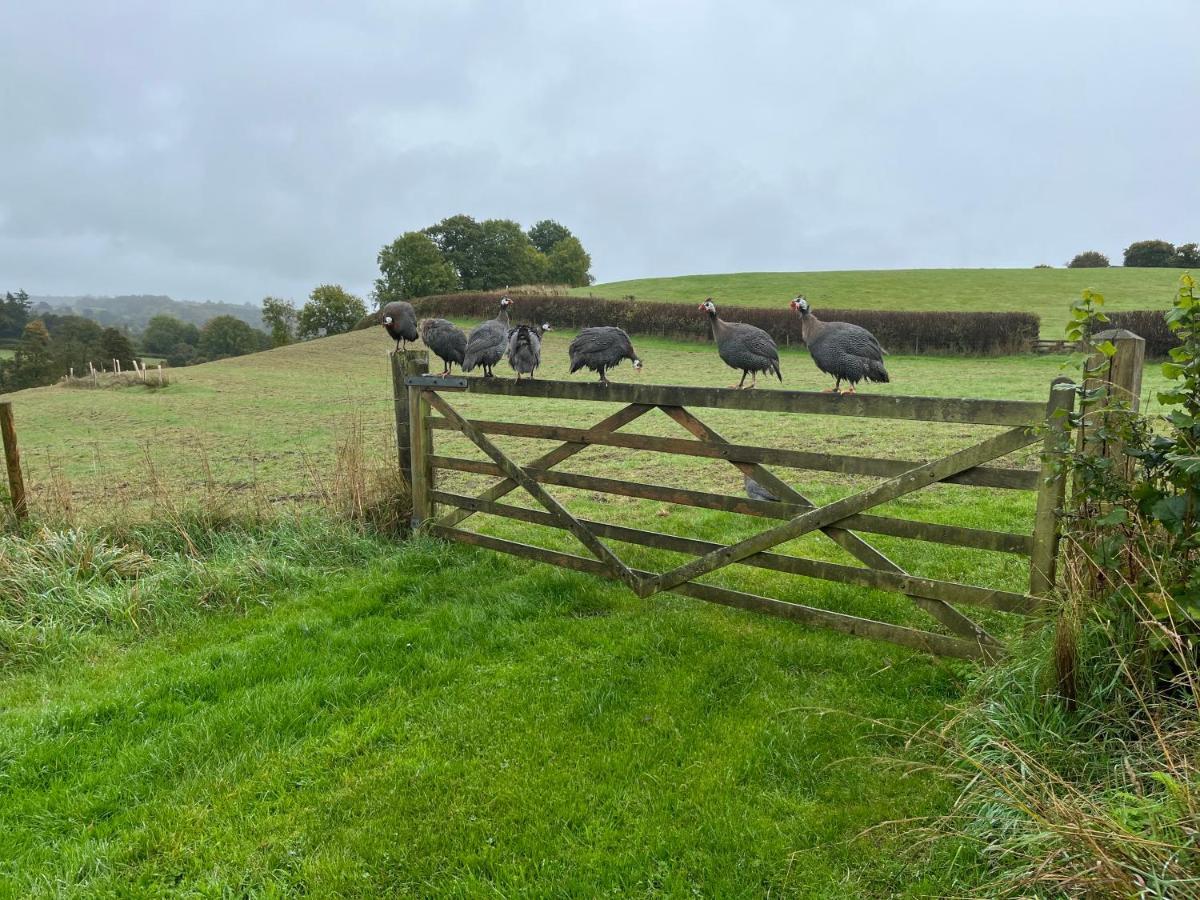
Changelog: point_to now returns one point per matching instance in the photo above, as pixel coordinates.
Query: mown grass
(415, 720)
(1046, 292)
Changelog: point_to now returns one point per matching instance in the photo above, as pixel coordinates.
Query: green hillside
(1047, 292)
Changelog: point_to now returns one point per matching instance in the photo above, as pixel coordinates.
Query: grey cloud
(228, 151)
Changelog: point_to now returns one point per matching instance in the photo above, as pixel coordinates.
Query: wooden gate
(844, 521)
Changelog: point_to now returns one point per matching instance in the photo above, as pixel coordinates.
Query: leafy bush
(897, 330)
(1150, 254)
(1089, 259)
(330, 309)
(1150, 324)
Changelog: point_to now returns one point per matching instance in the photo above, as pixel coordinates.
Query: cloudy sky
(216, 150)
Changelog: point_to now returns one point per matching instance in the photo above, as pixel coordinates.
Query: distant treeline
(899, 331)
(133, 312)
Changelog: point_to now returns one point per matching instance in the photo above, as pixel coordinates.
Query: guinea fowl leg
(753, 381)
(835, 389)
(603, 377)
(738, 386)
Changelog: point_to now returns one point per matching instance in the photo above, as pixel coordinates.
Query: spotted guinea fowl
(744, 347)
(847, 352)
(756, 491)
(600, 348)
(446, 340)
(488, 341)
(525, 348)
(399, 320)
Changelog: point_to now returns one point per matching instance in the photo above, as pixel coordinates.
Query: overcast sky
(228, 151)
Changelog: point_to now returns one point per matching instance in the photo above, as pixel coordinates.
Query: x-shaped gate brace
(823, 518)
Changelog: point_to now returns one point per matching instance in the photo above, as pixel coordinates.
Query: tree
(14, 314)
(546, 233)
(226, 336)
(413, 266)
(460, 240)
(114, 344)
(1089, 259)
(163, 332)
(1150, 254)
(75, 341)
(1187, 256)
(280, 317)
(569, 263)
(330, 309)
(33, 363)
(508, 257)
(182, 354)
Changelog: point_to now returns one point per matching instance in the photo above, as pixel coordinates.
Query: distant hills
(133, 311)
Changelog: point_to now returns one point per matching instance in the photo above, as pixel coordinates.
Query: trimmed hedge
(1150, 324)
(897, 330)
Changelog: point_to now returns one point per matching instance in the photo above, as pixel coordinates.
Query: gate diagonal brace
(550, 459)
(914, 479)
(618, 569)
(861, 549)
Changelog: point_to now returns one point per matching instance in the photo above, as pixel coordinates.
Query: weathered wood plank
(1052, 492)
(863, 551)
(954, 535)
(879, 406)
(981, 476)
(12, 462)
(897, 582)
(552, 458)
(618, 569)
(923, 641)
(420, 451)
(922, 476)
(405, 363)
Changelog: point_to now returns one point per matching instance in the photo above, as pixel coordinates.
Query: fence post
(405, 363)
(421, 442)
(1121, 375)
(12, 461)
(1052, 489)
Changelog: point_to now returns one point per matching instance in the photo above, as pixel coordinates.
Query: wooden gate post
(404, 364)
(1052, 489)
(12, 461)
(1121, 375)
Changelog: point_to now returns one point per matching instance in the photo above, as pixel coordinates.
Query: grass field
(1046, 292)
(343, 715)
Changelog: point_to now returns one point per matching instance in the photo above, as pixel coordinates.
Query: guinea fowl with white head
(399, 320)
(845, 351)
(600, 348)
(741, 346)
(525, 348)
(488, 341)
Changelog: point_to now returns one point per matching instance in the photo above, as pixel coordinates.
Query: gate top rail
(878, 406)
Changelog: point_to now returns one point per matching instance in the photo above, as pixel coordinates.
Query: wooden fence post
(421, 446)
(12, 461)
(1052, 489)
(1121, 374)
(404, 364)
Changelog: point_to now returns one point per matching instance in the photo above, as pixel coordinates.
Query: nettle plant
(1137, 477)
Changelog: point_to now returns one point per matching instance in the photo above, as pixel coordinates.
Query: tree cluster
(1162, 255)
(52, 345)
(461, 254)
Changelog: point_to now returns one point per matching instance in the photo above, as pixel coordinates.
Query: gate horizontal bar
(981, 476)
(877, 406)
(440, 382)
(911, 585)
(955, 535)
(915, 639)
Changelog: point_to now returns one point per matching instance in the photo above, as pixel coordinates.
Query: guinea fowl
(399, 321)
(525, 348)
(756, 491)
(602, 347)
(488, 341)
(446, 340)
(744, 347)
(847, 352)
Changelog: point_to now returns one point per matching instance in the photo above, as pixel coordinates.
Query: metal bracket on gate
(451, 383)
